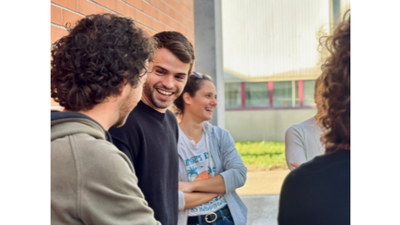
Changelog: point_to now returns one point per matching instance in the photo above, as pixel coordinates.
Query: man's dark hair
(92, 61)
(178, 44)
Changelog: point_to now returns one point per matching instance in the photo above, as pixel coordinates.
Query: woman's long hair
(336, 94)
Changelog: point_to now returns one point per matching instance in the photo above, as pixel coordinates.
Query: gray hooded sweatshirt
(92, 182)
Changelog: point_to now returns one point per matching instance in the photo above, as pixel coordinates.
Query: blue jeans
(225, 220)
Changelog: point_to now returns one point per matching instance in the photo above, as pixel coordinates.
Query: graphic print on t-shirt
(197, 161)
(198, 169)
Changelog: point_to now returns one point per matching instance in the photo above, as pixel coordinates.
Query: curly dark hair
(95, 58)
(178, 44)
(336, 94)
(194, 83)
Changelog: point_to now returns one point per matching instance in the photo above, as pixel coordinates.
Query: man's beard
(124, 111)
(150, 93)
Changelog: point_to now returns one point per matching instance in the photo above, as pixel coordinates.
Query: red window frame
(271, 94)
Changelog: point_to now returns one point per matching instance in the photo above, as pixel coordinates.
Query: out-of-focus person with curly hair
(97, 75)
(318, 192)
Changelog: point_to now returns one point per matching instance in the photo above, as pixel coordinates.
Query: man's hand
(186, 187)
(295, 164)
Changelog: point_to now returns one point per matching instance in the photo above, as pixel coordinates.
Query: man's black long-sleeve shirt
(149, 138)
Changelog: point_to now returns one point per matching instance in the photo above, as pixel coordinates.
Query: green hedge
(261, 155)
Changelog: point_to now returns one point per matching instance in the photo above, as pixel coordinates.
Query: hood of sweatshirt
(69, 123)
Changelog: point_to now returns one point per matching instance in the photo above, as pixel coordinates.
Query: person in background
(318, 192)
(150, 135)
(97, 74)
(303, 140)
(210, 168)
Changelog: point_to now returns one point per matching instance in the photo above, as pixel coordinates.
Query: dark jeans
(224, 220)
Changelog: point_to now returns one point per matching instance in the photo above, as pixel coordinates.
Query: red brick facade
(151, 15)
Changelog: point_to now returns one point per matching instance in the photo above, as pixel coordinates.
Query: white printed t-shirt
(199, 166)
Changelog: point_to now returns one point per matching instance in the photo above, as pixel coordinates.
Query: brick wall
(151, 15)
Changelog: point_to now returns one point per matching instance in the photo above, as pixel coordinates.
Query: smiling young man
(149, 137)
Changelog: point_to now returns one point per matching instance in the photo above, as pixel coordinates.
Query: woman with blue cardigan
(210, 168)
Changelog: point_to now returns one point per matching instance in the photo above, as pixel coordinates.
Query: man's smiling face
(165, 81)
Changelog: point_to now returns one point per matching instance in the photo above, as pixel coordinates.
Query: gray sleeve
(109, 193)
(181, 204)
(294, 147)
(235, 172)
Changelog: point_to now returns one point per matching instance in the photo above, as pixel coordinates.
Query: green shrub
(262, 155)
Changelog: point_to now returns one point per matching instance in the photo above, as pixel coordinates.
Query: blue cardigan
(228, 163)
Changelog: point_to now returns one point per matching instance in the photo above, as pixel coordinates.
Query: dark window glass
(282, 94)
(257, 94)
(308, 95)
(296, 91)
(233, 95)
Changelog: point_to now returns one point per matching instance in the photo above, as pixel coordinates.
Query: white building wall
(270, 40)
(267, 125)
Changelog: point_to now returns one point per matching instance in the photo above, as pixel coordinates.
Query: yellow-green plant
(262, 155)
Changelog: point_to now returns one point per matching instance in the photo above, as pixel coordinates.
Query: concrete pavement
(262, 209)
(261, 196)
(263, 183)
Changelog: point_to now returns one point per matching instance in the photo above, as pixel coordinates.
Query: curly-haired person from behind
(318, 192)
(97, 75)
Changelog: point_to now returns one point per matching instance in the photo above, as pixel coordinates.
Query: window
(308, 93)
(282, 94)
(257, 94)
(276, 94)
(296, 91)
(233, 98)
